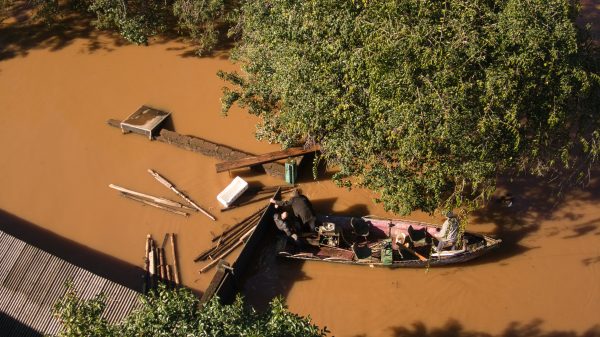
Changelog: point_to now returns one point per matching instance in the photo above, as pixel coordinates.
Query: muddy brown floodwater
(58, 158)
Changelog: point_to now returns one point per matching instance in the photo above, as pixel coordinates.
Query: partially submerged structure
(144, 121)
(32, 280)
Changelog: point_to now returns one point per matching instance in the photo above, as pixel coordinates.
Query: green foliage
(174, 313)
(197, 18)
(135, 20)
(424, 102)
(81, 318)
(138, 20)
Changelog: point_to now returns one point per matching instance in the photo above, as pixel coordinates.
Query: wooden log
(157, 200)
(164, 242)
(161, 263)
(146, 265)
(264, 158)
(150, 203)
(237, 244)
(207, 148)
(170, 186)
(169, 274)
(152, 264)
(174, 252)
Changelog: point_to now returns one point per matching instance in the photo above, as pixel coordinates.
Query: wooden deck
(32, 280)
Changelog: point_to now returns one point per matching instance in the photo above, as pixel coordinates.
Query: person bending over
(301, 208)
(284, 224)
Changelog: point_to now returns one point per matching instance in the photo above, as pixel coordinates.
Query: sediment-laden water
(58, 157)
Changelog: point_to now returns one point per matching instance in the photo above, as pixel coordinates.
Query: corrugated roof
(32, 280)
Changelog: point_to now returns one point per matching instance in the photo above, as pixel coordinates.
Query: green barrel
(291, 172)
(387, 252)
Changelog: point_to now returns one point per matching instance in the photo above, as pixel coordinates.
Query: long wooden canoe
(403, 243)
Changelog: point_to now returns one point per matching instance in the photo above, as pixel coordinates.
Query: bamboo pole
(165, 238)
(230, 240)
(169, 274)
(152, 264)
(225, 242)
(157, 200)
(235, 228)
(237, 244)
(161, 263)
(170, 186)
(175, 268)
(146, 266)
(150, 203)
(258, 212)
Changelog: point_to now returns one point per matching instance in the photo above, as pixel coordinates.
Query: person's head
(296, 193)
(450, 214)
(284, 215)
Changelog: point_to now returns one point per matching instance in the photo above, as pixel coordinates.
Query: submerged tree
(424, 102)
(138, 20)
(177, 312)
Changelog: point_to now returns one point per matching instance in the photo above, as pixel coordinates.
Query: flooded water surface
(58, 157)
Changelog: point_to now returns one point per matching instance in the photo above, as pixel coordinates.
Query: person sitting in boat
(448, 235)
(286, 225)
(301, 208)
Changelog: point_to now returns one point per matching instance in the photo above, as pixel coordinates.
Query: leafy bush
(424, 102)
(172, 313)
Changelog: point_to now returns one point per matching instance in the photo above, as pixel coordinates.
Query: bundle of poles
(259, 194)
(155, 265)
(163, 203)
(229, 240)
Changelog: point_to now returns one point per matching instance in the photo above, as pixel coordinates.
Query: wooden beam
(264, 158)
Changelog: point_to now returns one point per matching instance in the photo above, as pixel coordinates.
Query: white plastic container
(232, 191)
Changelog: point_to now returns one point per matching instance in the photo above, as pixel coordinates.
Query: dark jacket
(301, 207)
(283, 225)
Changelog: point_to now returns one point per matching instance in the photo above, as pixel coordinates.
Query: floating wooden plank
(147, 202)
(157, 200)
(174, 253)
(170, 186)
(264, 158)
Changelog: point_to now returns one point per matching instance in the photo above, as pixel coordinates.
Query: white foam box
(232, 191)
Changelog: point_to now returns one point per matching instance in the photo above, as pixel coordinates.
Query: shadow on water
(19, 38)
(27, 33)
(521, 205)
(98, 263)
(455, 329)
(268, 277)
(12, 327)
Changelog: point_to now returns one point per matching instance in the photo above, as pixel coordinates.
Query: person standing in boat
(301, 208)
(286, 225)
(448, 235)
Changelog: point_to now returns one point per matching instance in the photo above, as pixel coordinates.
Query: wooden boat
(381, 243)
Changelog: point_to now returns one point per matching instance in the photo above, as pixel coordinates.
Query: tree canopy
(138, 20)
(424, 102)
(177, 312)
